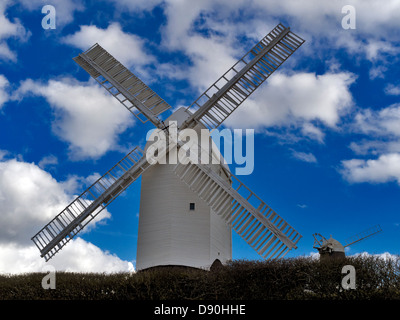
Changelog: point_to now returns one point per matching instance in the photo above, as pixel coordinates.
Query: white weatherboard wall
(169, 232)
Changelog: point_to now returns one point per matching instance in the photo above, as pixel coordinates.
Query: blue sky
(327, 123)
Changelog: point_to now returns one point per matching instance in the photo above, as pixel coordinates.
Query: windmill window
(191, 206)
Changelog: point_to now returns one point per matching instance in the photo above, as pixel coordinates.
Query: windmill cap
(332, 244)
(180, 115)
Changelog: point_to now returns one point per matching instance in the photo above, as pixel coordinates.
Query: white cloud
(206, 34)
(376, 49)
(86, 116)
(318, 19)
(10, 29)
(81, 255)
(304, 156)
(375, 147)
(297, 100)
(384, 169)
(384, 256)
(42, 198)
(3, 154)
(311, 131)
(180, 17)
(195, 28)
(212, 37)
(314, 255)
(393, 90)
(77, 256)
(211, 58)
(383, 122)
(48, 161)
(313, 16)
(29, 198)
(128, 48)
(377, 71)
(4, 95)
(382, 128)
(65, 9)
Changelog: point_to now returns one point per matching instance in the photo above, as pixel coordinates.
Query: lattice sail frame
(127, 88)
(253, 220)
(244, 77)
(70, 221)
(363, 235)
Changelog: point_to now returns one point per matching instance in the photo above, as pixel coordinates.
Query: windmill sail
(59, 231)
(363, 235)
(260, 226)
(318, 240)
(244, 77)
(128, 89)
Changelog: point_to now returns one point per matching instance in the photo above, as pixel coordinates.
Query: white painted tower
(176, 227)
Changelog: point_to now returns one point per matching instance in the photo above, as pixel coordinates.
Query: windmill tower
(333, 249)
(188, 224)
(187, 209)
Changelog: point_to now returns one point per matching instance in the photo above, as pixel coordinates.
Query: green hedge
(286, 279)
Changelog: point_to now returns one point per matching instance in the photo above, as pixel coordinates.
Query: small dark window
(191, 206)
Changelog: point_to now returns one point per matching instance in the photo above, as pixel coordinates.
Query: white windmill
(187, 211)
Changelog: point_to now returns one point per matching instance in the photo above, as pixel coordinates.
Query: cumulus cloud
(77, 256)
(210, 53)
(10, 30)
(128, 48)
(320, 22)
(301, 100)
(375, 147)
(384, 169)
(3, 154)
(43, 196)
(86, 116)
(382, 128)
(383, 122)
(384, 256)
(65, 9)
(211, 58)
(208, 30)
(29, 198)
(209, 34)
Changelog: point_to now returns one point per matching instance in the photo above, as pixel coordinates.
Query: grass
(300, 278)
